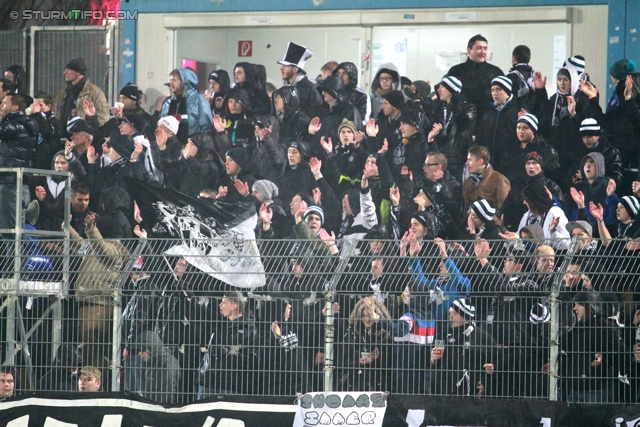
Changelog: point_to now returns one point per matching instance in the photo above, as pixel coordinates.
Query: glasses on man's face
(428, 165)
(385, 79)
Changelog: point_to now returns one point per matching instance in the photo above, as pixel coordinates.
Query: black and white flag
(214, 236)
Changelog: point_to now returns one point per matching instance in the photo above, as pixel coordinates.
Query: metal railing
(557, 326)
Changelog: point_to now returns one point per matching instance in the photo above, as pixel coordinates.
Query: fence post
(555, 321)
(348, 249)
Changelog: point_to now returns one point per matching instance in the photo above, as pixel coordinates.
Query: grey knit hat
(267, 189)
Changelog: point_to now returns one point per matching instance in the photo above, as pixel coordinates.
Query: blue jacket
(199, 115)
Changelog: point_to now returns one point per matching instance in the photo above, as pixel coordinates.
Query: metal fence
(479, 319)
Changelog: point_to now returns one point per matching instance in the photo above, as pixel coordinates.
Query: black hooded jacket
(258, 98)
(357, 97)
(294, 124)
(497, 130)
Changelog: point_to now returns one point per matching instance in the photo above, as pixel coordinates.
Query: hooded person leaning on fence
(592, 356)
(466, 364)
(97, 278)
(188, 103)
(162, 371)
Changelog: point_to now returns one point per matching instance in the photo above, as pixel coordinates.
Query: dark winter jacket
(294, 124)
(18, 138)
(258, 98)
(113, 222)
(310, 99)
(515, 159)
(296, 180)
(521, 76)
(476, 82)
(162, 373)
(412, 155)
(612, 159)
(231, 361)
(497, 130)
(458, 120)
(50, 131)
(357, 97)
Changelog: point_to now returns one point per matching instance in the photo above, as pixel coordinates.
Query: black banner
(425, 411)
(123, 410)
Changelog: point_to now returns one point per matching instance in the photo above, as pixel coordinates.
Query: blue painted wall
(623, 19)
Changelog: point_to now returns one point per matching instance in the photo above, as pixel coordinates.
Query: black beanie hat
(123, 144)
(396, 99)
(412, 118)
(78, 65)
(535, 157)
(131, 91)
(239, 155)
(536, 193)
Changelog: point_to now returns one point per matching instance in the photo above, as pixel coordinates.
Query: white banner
(339, 409)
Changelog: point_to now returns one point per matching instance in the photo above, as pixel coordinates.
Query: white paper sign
(384, 51)
(340, 409)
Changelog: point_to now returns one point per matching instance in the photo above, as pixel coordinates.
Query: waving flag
(214, 236)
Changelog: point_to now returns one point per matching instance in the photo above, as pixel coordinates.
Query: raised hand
(222, 192)
(89, 108)
(90, 221)
(327, 145)
(275, 329)
(435, 130)
(481, 249)
(190, 149)
(385, 147)
(359, 136)
(219, 123)
(404, 242)
(317, 196)
(577, 197)
(161, 138)
(538, 81)
(106, 148)
(635, 187)
(522, 112)
(442, 246)
(68, 148)
(628, 88)
(597, 211)
(314, 126)
(241, 187)
(41, 193)
(554, 224)
(92, 156)
(265, 213)
(140, 232)
(301, 210)
(611, 188)
(372, 128)
(136, 151)
(571, 105)
(327, 239)
(588, 89)
(421, 200)
(471, 225)
(136, 212)
(394, 195)
(35, 107)
(509, 235)
(315, 165)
